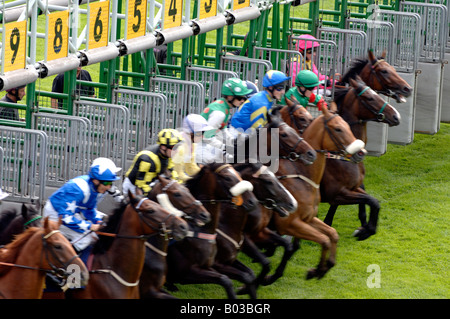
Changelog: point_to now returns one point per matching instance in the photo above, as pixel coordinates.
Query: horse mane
(242, 166)
(10, 252)
(112, 226)
(6, 217)
(339, 95)
(193, 182)
(357, 65)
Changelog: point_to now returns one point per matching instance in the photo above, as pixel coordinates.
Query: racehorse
(155, 267)
(342, 182)
(35, 252)
(272, 197)
(190, 261)
(380, 76)
(118, 256)
(13, 223)
(327, 134)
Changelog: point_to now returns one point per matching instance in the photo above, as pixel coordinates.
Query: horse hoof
(268, 280)
(311, 274)
(243, 291)
(362, 233)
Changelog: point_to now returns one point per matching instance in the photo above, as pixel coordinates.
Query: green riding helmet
(307, 79)
(235, 87)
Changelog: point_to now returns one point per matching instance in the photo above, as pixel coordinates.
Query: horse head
(365, 104)
(295, 115)
(330, 134)
(291, 145)
(219, 182)
(156, 219)
(182, 199)
(59, 253)
(384, 79)
(267, 188)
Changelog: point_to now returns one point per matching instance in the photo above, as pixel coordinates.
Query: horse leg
(250, 249)
(238, 271)
(289, 250)
(360, 197)
(312, 232)
(199, 275)
(330, 215)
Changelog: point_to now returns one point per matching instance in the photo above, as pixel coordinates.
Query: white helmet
(103, 169)
(196, 123)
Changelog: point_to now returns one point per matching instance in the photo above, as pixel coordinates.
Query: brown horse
(35, 252)
(13, 223)
(380, 76)
(119, 254)
(154, 273)
(328, 133)
(342, 183)
(190, 261)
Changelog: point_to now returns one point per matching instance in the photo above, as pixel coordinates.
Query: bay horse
(118, 256)
(380, 76)
(39, 250)
(272, 197)
(154, 272)
(342, 182)
(191, 260)
(327, 134)
(13, 223)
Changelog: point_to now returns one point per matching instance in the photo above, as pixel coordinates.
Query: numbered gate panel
(98, 25)
(14, 46)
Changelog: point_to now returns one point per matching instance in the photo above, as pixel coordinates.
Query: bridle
(380, 116)
(55, 270)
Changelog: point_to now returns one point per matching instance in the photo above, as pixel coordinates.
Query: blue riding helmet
(251, 86)
(103, 169)
(274, 77)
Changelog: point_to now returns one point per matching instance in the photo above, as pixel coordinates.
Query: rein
(59, 272)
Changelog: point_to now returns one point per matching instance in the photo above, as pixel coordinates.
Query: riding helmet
(235, 87)
(169, 137)
(307, 79)
(273, 77)
(103, 169)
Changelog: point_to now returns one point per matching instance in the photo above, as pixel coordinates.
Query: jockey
(76, 203)
(194, 150)
(305, 82)
(308, 49)
(151, 162)
(218, 113)
(251, 86)
(253, 113)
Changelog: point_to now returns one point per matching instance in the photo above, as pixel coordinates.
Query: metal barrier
(211, 79)
(351, 44)
(183, 98)
(109, 131)
(68, 152)
(24, 164)
(1, 168)
(246, 68)
(405, 53)
(148, 115)
(282, 58)
(380, 35)
(434, 33)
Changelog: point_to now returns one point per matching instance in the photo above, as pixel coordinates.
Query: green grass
(411, 247)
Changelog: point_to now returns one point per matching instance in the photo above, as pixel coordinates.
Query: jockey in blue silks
(253, 113)
(76, 203)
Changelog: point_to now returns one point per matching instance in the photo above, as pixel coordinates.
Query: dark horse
(190, 261)
(342, 183)
(154, 273)
(118, 257)
(13, 222)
